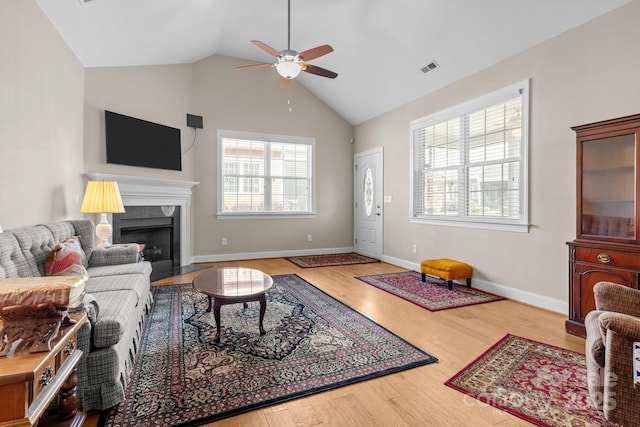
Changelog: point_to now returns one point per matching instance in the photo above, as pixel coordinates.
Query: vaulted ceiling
(380, 45)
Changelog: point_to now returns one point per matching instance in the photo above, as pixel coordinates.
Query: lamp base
(104, 230)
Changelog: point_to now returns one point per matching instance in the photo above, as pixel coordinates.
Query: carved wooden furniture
(29, 382)
(607, 244)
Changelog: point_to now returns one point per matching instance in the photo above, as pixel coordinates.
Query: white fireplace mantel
(141, 191)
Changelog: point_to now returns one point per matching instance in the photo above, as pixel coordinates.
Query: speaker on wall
(194, 121)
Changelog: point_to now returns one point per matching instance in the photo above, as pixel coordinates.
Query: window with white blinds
(470, 162)
(262, 174)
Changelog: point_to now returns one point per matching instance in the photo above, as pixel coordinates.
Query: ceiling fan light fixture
(290, 63)
(288, 68)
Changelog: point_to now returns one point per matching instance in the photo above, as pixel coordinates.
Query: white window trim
(481, 102)
(258, 136)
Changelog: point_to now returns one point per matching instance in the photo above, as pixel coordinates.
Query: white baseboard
(269, 254)
(494, 288)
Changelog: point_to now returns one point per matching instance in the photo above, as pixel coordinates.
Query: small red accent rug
(541, 383)
(432, 295)
(309, 261)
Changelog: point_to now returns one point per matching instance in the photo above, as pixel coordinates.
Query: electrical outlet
(309, 238)
(224, 241)
(414, 248)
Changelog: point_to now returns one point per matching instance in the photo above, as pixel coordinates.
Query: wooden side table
(30, 382)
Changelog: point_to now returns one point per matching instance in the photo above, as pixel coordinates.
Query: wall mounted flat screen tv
(136, 142)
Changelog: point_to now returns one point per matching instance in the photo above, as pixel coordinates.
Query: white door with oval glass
(368, 203)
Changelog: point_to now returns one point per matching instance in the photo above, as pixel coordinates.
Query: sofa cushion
(137, 283)
(115, 270)
(35, 243)
(115, 316)
(125, 253)
(65, 259)
(85, 230)
(11, 259)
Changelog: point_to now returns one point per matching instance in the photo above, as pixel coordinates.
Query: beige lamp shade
(102, 197)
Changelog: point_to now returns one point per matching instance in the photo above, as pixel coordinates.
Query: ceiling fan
(290, 63)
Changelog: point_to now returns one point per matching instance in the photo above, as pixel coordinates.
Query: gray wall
(41, 97)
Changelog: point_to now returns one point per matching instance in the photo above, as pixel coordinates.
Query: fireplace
(156, 229)
(158, 193)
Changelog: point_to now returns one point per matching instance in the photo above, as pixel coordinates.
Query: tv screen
(136, 142)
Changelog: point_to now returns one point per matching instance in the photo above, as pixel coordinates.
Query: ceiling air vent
(430, 67)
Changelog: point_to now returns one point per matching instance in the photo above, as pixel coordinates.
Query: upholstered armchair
(612, 328)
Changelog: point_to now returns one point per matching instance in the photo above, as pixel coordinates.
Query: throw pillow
(65, 259)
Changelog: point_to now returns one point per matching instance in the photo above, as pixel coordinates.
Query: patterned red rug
(309, 261)
(541, 383)
(313, 343)
(432, 295)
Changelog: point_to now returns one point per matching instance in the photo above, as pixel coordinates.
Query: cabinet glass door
(608, 187)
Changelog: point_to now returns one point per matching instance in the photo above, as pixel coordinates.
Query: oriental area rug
(433, 294)
(309, 261)
(313, 343)
(540, 383)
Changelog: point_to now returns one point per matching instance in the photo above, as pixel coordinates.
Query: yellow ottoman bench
(446, 269)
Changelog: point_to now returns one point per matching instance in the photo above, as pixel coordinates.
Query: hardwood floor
(416, 397)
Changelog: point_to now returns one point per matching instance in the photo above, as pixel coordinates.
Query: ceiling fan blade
(284, 82)
(249, 67)
(319, 71)
(316, 52)
(266, 48)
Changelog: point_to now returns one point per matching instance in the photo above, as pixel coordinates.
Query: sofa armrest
(622, 325)
(116, 254)
(613, 297)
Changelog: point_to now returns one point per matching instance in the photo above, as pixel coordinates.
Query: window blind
(468, 162)
(265, 174)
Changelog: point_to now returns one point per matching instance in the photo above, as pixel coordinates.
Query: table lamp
(102, 197)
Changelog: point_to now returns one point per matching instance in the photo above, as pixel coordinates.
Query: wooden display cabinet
(607, 244)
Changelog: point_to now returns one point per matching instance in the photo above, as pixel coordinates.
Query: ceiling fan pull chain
(288, 24)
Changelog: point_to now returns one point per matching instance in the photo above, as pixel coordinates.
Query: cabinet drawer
(608, 258)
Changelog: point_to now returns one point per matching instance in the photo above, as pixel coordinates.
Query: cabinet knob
(604, 258)
(68, 349)
(45, 377)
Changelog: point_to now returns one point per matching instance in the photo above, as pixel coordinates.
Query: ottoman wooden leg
(424, 277)
(450, 284)
(468, 282)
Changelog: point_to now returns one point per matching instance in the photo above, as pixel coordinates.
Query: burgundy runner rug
(541, 383)
(310, 261)
(432, 295)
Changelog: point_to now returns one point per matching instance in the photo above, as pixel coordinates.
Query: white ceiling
(380, 45)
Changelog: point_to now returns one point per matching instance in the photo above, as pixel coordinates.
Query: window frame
(267, 139)
(466, 108)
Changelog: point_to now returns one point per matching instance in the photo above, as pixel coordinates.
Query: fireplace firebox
(156, 229)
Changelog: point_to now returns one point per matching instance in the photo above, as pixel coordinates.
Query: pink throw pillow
(65, 259)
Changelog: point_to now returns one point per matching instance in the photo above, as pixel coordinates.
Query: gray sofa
(118, 297)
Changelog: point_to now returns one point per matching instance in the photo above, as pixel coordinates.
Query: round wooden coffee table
(230, 285)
